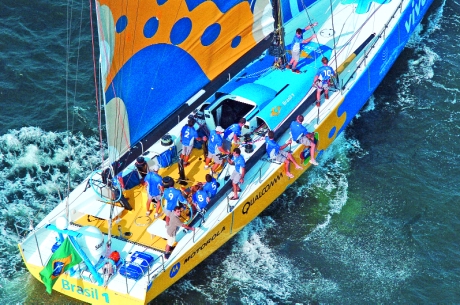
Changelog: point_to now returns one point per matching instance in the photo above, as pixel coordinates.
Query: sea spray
(33, 179)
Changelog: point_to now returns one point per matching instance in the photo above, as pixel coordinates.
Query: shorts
(215, 158)
(322, 86)
(235, 177)
(295, 55)
(171, 240)
(281, 156)
(156, 198)
(305, 141)
(226, 145)
(198, 208)
(167, 212)
(186, 150)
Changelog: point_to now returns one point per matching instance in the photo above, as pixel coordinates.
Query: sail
(158, 54)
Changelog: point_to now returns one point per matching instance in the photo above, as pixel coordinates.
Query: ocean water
(376, 223)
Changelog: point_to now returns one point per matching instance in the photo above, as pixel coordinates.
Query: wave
(267, 265)
(37, 169)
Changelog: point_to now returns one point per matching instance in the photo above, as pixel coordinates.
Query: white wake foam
(33, 179)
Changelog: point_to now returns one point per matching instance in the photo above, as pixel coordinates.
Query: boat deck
(134, 225)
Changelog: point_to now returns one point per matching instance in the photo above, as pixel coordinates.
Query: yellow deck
(135, 221)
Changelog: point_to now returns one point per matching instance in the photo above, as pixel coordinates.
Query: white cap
(219, 129)
(155, 168)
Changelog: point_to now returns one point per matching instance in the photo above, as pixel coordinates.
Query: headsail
(156, 55)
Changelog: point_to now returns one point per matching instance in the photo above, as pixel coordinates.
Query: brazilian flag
(64, 258)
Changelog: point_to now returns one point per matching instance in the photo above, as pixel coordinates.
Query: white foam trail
(370, 105)
(434, 20)
(256, 268)
(422, 68)
(378, 260)
(266, 277)
(330, 178)
(33, 176)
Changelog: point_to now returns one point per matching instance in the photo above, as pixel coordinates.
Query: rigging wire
(358, 30)
(77, 63)
(70, 126)
(256, 74)
(98, 106)
(108, 76)
(312, 28)
(69, 27)
(333, 39)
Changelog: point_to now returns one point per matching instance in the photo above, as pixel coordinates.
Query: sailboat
(167, 62)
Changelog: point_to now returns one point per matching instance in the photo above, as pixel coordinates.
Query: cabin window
(229, 112)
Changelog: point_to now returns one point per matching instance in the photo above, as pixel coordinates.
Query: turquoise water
(376, 222)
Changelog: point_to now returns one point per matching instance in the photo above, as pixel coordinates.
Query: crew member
(232, 133)
(322, 79)
(276, 152)
(214, 148)
(172, 196)
(142, 168)
(154, 186)
(187, 136)
(301, 135)
(171, 229)
(211, 186)
(239, 172)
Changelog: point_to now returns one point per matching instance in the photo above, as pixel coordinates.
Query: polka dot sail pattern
(157, 54)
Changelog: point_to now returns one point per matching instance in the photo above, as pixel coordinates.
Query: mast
(277, 48)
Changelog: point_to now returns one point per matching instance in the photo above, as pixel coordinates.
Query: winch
(248, 147)
(166, 140)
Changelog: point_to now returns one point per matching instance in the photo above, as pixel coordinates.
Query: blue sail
(156, 55)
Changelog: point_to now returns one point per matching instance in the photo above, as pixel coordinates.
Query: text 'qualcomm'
(248, 204)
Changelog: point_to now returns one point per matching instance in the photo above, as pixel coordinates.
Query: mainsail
(157, 55)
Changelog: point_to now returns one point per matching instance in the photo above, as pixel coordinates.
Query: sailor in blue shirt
(187, 135)
(275, 152)
(200, 199)
(172, 196)
(154, 185)
(322, 79)
(214, 148)
(301, 135)
(238, 175)
(232, 133)
(297, 41)
(211, 186)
